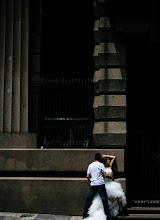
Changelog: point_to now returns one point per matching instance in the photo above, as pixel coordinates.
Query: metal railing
(61, 112)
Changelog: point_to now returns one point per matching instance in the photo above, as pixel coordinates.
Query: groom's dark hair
(97, 156)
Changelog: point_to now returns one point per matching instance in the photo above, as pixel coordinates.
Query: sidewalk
(28, 216)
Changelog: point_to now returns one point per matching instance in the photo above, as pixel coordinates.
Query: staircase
(141, 213)
(142, 210)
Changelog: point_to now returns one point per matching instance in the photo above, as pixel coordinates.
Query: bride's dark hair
(104, 159)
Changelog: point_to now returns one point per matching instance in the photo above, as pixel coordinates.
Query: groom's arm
(108, 176)
(88, 178)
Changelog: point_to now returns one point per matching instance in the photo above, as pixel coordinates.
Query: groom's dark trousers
(102, 192)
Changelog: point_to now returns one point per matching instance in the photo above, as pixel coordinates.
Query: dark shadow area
(62, 107)
(67, 38)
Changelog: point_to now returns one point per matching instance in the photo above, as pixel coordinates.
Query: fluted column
(16, 67)
(24, 67)
(2, 57)
(8, 67)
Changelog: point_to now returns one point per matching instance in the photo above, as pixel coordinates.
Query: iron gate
(143, 167)
(61, 111)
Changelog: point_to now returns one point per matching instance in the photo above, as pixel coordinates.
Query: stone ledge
(18, 140)
(109, 73)
(114, 86)
(109, 54)
(109, 100)
(109, 140)
(59, 197)
(109, 81)
(115, 113)
(103, 32)
(109, 128)
(52, 159)
(109, 107)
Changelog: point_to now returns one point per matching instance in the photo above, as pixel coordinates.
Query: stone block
(109, 134)
(110, 80)
(96, 32)
(115, 113)
(109, 128)
(109, 141)
(110, 73)
(110, 86)
(103, 32)
(107, 33)
(109, 100)
(65, 160)
(109, 54)
(109, 107)
(18, 140)
(59, 196)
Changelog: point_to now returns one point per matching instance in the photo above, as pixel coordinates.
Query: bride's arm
(111, 156)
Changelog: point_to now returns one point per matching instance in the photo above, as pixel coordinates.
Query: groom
(95, 175)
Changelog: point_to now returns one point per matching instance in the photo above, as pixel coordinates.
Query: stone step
(109, 54)
(63, 160)
(109, 107)
(103, 32)
(109, 134)
(139, 216)
(61, 196)
(109, 81)
(143, 210)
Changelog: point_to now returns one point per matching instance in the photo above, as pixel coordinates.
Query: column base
(18, 140)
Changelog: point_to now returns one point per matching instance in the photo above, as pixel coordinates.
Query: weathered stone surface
(109, 100)
(109, 140)
(110, 86)
(110, 128)
(109, 113)
(109, 107)
(52, 159)
(110, 73)
(109, 80)
(59, 196)
(96, 32)
(109, 54)
(109, 134)
(103, 31)
(18, 140)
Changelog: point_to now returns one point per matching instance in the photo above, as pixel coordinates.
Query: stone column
(2, 56)
(8, 67)
(24, 67)
(16, 67)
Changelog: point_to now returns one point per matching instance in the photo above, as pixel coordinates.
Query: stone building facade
(52, 180)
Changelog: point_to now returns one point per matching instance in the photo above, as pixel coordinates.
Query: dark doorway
(65, 88)
(143, 147)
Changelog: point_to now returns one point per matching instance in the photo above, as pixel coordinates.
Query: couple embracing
(105, 198)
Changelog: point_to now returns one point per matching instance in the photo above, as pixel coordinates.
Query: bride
(116, 197)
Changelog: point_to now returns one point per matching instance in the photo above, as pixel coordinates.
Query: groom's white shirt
(96, 170)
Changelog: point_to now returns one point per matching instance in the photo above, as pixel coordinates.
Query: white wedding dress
(114, 191)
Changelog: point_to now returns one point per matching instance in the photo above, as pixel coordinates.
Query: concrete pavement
(28, 216)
